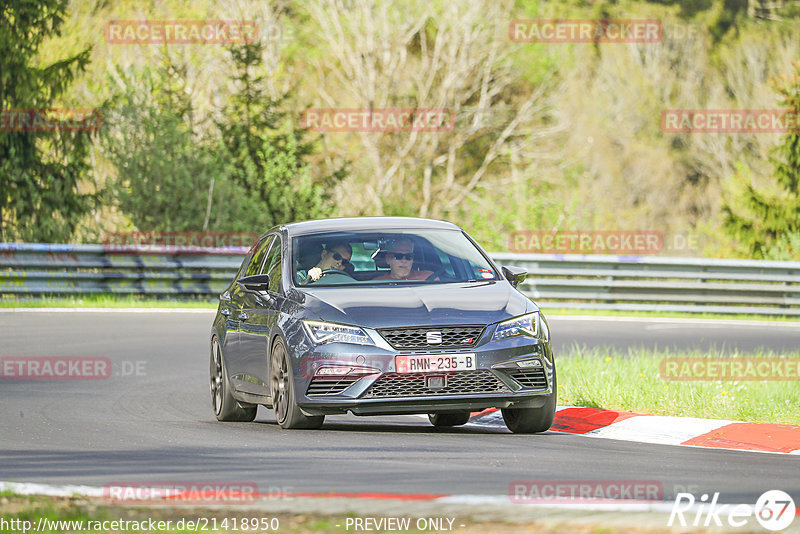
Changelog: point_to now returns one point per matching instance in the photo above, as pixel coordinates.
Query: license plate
(434, 364)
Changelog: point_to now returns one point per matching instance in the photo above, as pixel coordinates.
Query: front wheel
(225, 407)
(532, 420)
(287, 413)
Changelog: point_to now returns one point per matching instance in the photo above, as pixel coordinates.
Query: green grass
(32, 508)
(106, 301)
(556, 311)
(630, 381)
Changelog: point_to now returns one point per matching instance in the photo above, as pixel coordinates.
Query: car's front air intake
(424, 385)
(530, 378)
(330, 385)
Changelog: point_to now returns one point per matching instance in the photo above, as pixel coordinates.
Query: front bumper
(495, 383)
(422, 405)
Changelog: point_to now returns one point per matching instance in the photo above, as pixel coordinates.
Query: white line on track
(107, 310)
(678, 320)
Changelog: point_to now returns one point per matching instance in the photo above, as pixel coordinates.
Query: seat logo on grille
(433, 338)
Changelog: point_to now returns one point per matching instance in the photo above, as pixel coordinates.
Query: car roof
(366, 223)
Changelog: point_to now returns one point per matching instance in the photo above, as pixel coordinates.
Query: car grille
(530, 378)
(416, 338)
(458, 383)
(324, 385)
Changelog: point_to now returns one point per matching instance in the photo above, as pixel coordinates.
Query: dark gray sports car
(379, 315)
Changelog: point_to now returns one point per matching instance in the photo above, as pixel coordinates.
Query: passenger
(400, 257)
(335, 255)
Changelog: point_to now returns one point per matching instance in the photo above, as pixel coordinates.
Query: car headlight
(524, 325)
(321, 332)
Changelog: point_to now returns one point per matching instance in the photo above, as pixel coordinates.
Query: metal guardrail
(554, 281)
(660, 284)
(44, 269)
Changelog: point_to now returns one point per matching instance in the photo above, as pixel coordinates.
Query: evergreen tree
(267, 154)
(163, 169)
(766, 223)
(40, 171)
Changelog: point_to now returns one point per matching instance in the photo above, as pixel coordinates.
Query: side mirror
(256, 282)
(515, 275)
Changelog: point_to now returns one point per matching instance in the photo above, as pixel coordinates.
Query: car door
(261, 312)
(234, 356)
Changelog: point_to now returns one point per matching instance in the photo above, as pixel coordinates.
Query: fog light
(530, 363)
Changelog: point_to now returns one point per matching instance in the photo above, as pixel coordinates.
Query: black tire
(440, 420)
(532, 420)
(225, 407)
(281, 385)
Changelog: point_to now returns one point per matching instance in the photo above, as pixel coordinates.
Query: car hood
(417, 305)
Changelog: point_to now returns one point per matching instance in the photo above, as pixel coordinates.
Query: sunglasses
(401, 256)
(339, 257)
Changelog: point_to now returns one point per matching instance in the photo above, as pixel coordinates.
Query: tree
(163, 169)
(247, 171)
(266, 153)
(41, 172)
(424, 55)
(766, 220)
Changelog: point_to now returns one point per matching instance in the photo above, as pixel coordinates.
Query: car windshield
(390, 257)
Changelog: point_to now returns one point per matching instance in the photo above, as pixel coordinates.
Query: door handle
(225, 311)
(243, 316)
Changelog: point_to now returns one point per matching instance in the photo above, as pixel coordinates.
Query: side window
(243, 266)
(447, 265)
(254, 267)
(272, 266)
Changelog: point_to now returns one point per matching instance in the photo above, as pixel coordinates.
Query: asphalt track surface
(156, 425)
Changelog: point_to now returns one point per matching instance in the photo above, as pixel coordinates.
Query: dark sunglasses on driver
(401, 256)
(339, 257)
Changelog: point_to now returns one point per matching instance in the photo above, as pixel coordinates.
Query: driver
(400, 258)
(335, 255)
